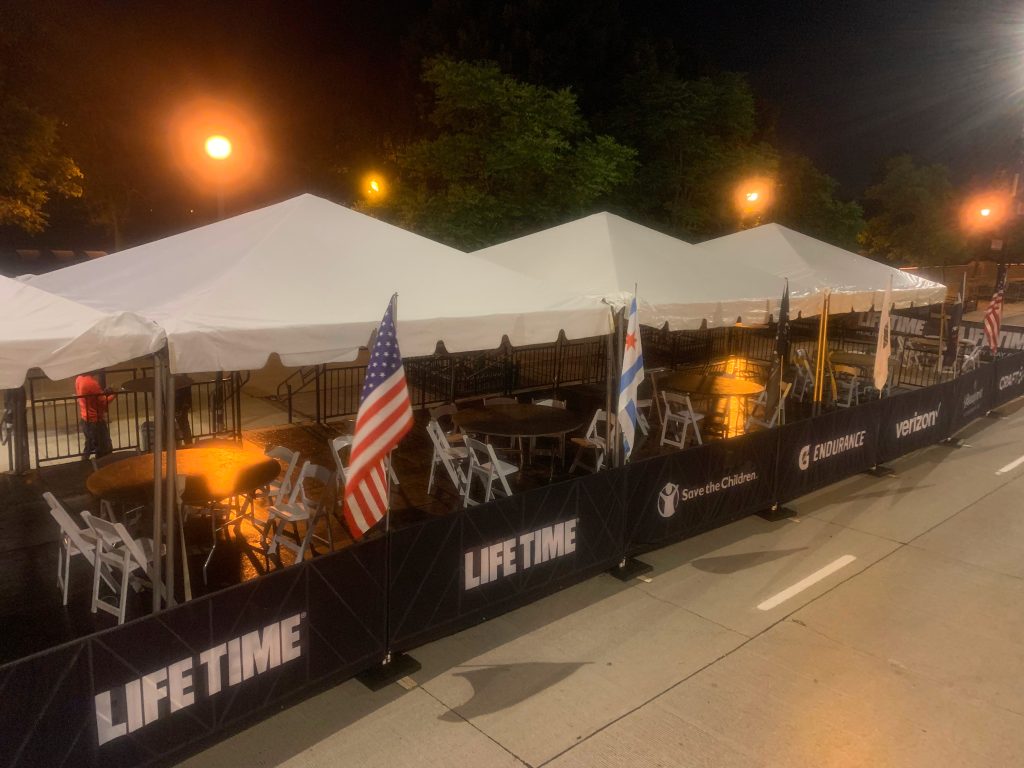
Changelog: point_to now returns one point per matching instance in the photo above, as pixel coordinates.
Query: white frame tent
(606, 255)
(309, 280)
(62, 337)
(855, 283)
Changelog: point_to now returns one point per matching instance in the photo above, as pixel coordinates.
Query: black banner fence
(674, 497)
(456, 571)
(158, 688)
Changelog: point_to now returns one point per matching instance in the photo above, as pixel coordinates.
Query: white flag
(884, 347)
(632, 375)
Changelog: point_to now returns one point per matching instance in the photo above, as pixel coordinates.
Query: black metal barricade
(975, 395)
(914, 420)
(674, 497)
(1009, 378)
(826, 449)
(452, 572)
(164, 685)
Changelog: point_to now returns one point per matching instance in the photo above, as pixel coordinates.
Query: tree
(32, 166)
(913, 216)
(506, 158)
(806, 201)
(697, 140)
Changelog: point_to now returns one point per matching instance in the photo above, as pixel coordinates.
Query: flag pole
(394, 666)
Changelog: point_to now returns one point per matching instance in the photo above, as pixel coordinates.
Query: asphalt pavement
(881, 625)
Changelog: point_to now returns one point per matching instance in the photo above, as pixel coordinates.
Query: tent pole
(609, 383)
(170, 509)
(156, 446)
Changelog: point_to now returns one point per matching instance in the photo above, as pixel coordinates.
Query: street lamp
(219, 148)
(373, 187)
(752, 197)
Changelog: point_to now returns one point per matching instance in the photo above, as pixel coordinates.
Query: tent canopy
(605, 255)
(857, 284)
(40, 330)
(310, 280)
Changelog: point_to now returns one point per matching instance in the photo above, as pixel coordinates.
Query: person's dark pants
(97, 439)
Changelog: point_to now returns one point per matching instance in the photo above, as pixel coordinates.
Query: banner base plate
(630, 568)
(995, 415)
(952, 442)
(775, 513)
(880, 470)
(382, 675)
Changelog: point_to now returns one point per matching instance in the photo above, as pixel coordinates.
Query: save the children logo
(668, 500)
(671, 494)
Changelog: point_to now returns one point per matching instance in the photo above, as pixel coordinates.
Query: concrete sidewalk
(908, 649)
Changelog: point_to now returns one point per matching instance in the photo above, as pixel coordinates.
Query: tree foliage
(32, 166)
(807, 201)
(504, 158)
(697, 139)
(913, 215)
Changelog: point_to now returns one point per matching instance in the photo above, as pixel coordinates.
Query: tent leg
(158, 493)
(170, 508)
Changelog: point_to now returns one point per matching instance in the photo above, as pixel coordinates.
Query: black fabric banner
(915, 420)
(975, 395)
(159, 688)
(1009, 378)
(826, 449)
(680, 495)
(453, 572)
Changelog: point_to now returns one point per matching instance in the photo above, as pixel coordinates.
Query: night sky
(333, 84)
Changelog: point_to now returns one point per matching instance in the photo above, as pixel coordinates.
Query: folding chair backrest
(309, 471)
(846, 370)
(594, 431)
(114, 535)
(676, 404)
(67, 525)
(338, 444)
(291, 459)
(438, 438)
(445, 412)
(479, 453)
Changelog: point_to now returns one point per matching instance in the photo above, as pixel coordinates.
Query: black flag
(782, 334)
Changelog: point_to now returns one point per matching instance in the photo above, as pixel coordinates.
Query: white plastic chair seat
(489, 469)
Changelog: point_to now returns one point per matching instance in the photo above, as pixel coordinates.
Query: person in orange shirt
(93, 400)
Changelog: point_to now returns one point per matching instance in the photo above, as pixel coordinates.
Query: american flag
(994, 313)
(385, 416)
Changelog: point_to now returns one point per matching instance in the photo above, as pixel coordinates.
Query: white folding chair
(73, 541)
(300, 508)
(488, 468)
(277, 490)
(443, 414)
(759, 415)
(592, 440)
(804, 375)
(679, 416)
(848, 385)
(451, 458)
(338, 444)
(117, 551)
(973, 358)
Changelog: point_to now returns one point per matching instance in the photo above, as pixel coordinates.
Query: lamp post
(752, 198)
(218, 148)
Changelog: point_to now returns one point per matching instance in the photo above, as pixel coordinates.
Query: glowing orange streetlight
(373, 187)
(752, 198)
(218, 147)
(985, 213)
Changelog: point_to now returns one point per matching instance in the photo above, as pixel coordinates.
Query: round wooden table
(521, 420)
(212, 473)
(145, 384)
(709, 384)
(863, 360)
